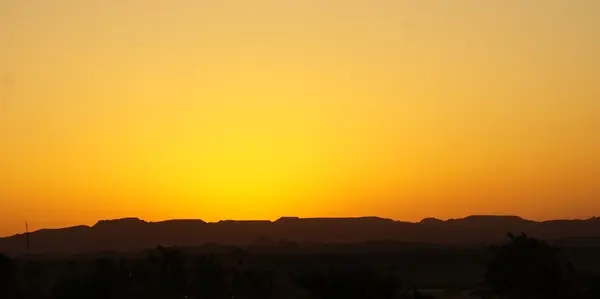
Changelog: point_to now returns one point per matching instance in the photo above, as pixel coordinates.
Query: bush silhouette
(528, 268)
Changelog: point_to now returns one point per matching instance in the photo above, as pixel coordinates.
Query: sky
(316, 108)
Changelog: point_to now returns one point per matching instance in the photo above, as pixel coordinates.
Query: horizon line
(302, 218)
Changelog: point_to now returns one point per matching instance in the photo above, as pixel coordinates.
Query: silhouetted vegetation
(529, 268)
(522, 268)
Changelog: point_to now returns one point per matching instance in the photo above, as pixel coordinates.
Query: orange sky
(257, 109)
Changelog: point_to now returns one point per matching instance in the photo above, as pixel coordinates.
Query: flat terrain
(421, 265)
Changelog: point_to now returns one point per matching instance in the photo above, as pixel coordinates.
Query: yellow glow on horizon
(239, 110)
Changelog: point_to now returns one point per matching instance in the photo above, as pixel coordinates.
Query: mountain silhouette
(133, 234)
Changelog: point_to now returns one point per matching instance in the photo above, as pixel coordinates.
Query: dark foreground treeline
(523, 268)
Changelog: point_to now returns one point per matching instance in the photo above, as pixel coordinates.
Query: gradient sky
(258, 109)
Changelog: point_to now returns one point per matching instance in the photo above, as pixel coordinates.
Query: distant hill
(132, 234)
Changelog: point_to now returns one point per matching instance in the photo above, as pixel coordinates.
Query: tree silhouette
(527, 268)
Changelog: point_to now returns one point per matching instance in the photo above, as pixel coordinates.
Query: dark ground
(419, 266)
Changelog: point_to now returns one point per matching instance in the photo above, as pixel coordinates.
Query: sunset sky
(242, 109)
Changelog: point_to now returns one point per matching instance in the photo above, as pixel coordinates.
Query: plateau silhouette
(133, 234)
